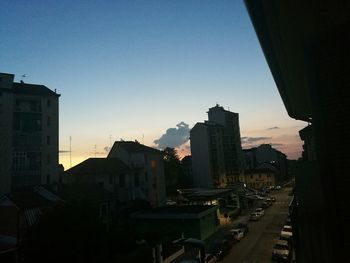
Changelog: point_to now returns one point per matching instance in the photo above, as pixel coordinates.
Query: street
(256, 246)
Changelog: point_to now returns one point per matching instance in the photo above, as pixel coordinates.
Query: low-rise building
(195, 221)
(145, 162)
(258, 178)
(226, 199)
(131, 170)
(20, 210)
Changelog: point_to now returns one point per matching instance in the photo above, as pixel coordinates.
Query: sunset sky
(134, 69)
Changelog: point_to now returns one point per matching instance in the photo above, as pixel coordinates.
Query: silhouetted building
(102, 201)
(21, 210)
(28, 134)
(217, 158)
(306, 45)
(128, 183)
(147, 164)
(186, 164)
(266, 154)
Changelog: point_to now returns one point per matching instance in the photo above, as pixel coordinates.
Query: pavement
(256, 246)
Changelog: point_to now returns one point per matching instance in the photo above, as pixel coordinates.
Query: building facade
(258, 178)
(28, 134)
(217, 157)
(146, 164)
(309, 60)
(266, 154)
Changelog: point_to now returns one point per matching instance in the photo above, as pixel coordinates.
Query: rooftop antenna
(70, 151)
(95, 149)
(143, 138)
(110, 141)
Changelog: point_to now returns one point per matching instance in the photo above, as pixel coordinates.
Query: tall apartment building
(28, 134)
(217, 157)
(309, 60)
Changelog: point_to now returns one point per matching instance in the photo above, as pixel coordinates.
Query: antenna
(110, 142)
(95, 149)
(143, 138)
(70, 151)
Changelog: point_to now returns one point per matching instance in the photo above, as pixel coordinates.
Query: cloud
(273, 128)
(251, 140)
(174, 137)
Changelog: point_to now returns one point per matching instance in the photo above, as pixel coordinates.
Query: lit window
(153, 164)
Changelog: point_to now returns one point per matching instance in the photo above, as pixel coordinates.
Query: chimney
(6, 80)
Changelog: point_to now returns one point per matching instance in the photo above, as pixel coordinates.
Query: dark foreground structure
(306, 45)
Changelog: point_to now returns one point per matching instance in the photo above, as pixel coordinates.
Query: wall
(202, 175)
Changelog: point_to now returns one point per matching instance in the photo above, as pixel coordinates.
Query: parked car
(254, 217)
(220, 248)
(269, 200)
(238, 233)
(260, 211)
(242, 226)
(264, 205)
(287, 231)
(231, 237)
(288, 222)
(281, 251)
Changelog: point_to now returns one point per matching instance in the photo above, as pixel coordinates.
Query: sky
(144, 70)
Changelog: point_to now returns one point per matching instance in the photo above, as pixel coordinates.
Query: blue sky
(133, 69)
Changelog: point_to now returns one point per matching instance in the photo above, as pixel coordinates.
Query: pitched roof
(32, 198)
(33, 89)
(89, 192)
(133, 147)
(98, 166)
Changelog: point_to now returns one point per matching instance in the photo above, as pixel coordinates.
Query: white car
(260, 211)
(238, 233)
(281, 251)
(287, 231)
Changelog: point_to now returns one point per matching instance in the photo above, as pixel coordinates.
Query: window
(48, 140)
(48, 159)
(122, 180)
(154, 164)
(48, 121)
(48, 103)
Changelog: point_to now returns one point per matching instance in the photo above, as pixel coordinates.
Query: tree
(174, 174)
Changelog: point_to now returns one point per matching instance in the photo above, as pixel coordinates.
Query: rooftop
(204, 193)
(98, 166)
(87, 192)
(177, 212)
(133, 147)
